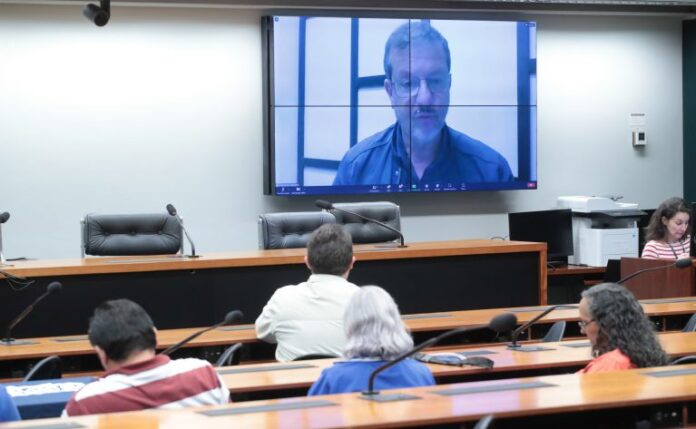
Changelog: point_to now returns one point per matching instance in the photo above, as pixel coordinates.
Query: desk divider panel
(671, 372)
(493, 388)
(241, 369)
(267, 408)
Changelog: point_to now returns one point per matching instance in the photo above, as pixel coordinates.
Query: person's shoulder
(189, 363)
(415, 366)
(614, 360)
(470, 147)
(369, 144)
(349, 369)
(97, 387)
(287, 290)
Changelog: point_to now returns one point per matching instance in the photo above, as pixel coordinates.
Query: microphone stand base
(390, 246)
(519, 348)
(392, 397)
(193, 256)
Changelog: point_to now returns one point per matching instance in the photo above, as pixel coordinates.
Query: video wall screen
(372, 105)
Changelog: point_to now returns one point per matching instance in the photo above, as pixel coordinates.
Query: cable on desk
(16, 283)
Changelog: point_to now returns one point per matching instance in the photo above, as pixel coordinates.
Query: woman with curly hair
(669, 231)
(622, 336)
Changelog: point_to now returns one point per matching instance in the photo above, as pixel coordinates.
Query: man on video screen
(419, 147)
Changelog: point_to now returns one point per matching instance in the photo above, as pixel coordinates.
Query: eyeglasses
(410, 87)
(584, 324)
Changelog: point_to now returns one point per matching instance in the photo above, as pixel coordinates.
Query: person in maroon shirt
(621, 334)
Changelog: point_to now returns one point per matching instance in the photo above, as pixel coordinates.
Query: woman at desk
(375, 334)
(621, 334)
(669, 231)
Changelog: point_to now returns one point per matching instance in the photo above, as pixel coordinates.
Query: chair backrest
(314, 356)
(230, 356)
(290, 229)
(46, 369)
(613, 271)
(556, 332)
(368, 232)
(684, 360)
(130, 234)
(691, 324)
(485, 422)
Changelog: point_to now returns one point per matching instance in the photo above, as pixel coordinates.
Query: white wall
(164, 105)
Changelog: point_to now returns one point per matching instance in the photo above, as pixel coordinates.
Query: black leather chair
(684, 360)
(46, 369)
(555, 332)
(290, 229)
(130, 234)
(690, 324)
(230, 356)
(485, 422)
(368, 232)
(312, 356)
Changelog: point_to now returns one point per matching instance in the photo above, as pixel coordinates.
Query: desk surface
(365, 252)
(544, 396)
(574, 270)
(565, 354)
(44, 398)
(78, 345)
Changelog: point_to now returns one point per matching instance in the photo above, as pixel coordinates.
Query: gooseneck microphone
(323, 204)
(500, 323)
(516, 333)
(172, 212)
(52, 288)
(4, 216)
(679, 263)
(233, 316)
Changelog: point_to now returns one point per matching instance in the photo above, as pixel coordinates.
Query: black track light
(99, 15)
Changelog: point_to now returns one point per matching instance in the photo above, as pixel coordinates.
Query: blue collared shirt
(382, 159)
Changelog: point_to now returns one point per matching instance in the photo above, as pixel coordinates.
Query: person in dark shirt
(420, 147)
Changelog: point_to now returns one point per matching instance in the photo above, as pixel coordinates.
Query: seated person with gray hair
(137, 378)
(307, 318)
(375, 334)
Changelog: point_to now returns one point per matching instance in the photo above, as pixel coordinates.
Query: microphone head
(503, 322)
(323, 204)
(54, 287)
(4, 216)
(171, 210)
(683, 263)
(234, 316)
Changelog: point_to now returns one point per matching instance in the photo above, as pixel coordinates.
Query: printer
(603, 229)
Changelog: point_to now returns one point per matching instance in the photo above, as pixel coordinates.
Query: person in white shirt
(308, 318)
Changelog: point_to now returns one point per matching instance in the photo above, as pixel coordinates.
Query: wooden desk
(665, 282)
(79, 357)
(679, 308)
(563, 399)
(563, 356)
(180, 292)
